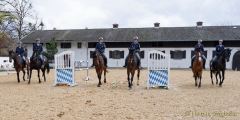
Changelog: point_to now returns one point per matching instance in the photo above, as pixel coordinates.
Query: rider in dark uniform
(38, 49)
(219, 49)
(20, 52)
(135, 46)
(199, 48)
(100, 47)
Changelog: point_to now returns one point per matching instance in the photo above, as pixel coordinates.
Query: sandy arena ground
(113, 101)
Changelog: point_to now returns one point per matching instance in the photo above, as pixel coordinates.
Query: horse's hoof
(105, 81)
(137, 84)
(28, 82)
(199, 86)
(98, 85)
(39, 82)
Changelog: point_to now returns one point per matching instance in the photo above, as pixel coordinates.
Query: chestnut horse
(197, 68)
(132, 65)
(18, 64)
(100, 67)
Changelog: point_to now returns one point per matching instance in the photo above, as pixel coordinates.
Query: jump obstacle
(158, 69)
(65, 65)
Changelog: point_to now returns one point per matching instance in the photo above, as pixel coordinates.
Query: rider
(136, 47)
(38, 49)
(100, 47)
(199, 48)
(20, 52)
(219, 49)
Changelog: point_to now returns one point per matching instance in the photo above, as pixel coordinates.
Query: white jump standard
(158, 69)
(64, 68)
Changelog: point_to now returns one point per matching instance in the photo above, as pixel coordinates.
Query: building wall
(82, 54)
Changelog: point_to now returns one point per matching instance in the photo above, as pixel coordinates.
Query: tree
(22, 10)
(51, 49)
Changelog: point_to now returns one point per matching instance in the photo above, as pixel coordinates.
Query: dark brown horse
(35, 63)
(218, 66)
(100, 67)
(132, 65)
(197, 68)
(19, 65)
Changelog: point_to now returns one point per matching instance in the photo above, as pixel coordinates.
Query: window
(204, 53)
(79, 45)
(66, 45)
(116, 54)
(142, 54)
(178, 54)
(91, 54)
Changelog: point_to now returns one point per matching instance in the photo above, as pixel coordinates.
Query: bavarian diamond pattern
(65, 76)
(158, 77)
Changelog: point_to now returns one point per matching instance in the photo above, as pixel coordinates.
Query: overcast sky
(78, 14)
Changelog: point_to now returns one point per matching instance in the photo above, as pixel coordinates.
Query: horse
(35, 63)
(197, 68)
(218, 66)
(18, 65)
(132, 65)
(100, 67)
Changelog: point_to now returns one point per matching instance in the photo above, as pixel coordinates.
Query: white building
(178, 42)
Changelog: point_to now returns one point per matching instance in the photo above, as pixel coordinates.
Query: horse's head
(96, 58)
(198, 55)
(131, 53)
(227, 53)
(11, 55)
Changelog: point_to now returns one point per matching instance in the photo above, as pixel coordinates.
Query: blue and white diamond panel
(158, 78)
(65, 76)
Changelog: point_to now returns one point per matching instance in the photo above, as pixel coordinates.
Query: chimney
(156, 24)
(115, 25)
(199, 24)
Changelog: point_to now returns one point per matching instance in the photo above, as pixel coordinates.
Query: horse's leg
(138, 75)
(133, 72)
(39, 80)
(220, 78)
(23, 74)
(195, 77)
(28, 71)
(196, 81)
(128, 77)
(105, 70)
(43, 73)
(200, 81)
(223, 76)
(216, 77)
(211, 76)
(99, 78)
(30, 76)
(18, 76)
